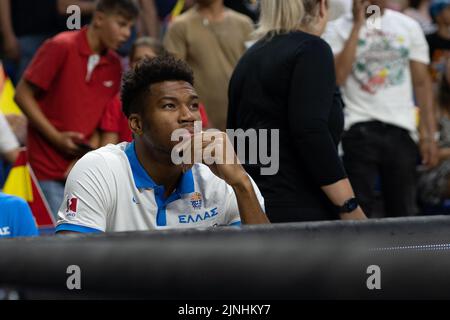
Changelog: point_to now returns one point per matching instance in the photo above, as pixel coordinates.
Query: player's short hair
(126, 8)
(136, 82)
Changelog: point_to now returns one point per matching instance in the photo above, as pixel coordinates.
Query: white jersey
(108, 190)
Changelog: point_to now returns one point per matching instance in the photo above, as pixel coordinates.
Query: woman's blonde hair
(281, 16)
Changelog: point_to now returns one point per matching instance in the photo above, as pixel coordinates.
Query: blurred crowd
(63, 117)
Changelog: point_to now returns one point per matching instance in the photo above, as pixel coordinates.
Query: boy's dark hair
(125, 8)
(136, 82)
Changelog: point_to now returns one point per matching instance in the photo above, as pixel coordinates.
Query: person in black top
(286, 81)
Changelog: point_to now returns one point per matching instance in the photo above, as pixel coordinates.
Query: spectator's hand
(430, 152)
(11, 47)
(66, 142)
(359, 12)
(18, 124)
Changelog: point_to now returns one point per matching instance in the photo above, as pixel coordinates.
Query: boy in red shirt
(65, 89)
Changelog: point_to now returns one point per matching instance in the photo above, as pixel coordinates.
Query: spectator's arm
(9, 146)
(310, 101)
(86, 6)
(25, 98)
(149, 19)
(10, 44)
(427, 126)
(344, 60)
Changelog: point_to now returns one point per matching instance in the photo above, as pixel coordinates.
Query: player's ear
(135, 124)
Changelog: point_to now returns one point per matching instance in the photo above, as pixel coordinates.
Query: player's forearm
(345, 59)
(26, 101)
(249, 208)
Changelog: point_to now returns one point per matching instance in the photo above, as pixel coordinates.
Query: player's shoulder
(110, 158)
(7, 200)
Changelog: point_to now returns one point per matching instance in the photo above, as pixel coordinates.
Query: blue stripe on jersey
(143, 181)
(76, 228)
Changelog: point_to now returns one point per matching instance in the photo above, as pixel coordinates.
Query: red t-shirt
(71, 100)
(114, 120)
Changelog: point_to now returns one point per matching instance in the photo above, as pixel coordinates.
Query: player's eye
(169, 106)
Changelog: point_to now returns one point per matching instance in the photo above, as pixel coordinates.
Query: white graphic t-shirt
(380, 85)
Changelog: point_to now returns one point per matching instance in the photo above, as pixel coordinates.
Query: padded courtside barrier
(317, 260)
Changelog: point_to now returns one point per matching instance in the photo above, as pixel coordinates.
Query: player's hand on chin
(214, 149)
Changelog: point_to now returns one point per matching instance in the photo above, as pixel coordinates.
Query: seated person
(16, 219)
(114, 124)
(137, 185)
(434, 184)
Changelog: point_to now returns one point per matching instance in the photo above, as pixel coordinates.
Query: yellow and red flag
(7, 103)
(22, 182)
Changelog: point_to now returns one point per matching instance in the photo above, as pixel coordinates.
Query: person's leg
(54, 194)
(399, 175)
(361, 161)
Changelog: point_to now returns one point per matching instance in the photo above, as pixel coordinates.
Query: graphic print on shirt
(381, 61)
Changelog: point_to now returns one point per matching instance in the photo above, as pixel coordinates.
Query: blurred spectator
(114, 124)
(9, 146)
(16, 219)
(439, 41)
(378, 70)
(248, 7)
(286, 81)
(434, 184)
(65, 89)
(211, 38)
(23, 35)
(25, 25)
(419, 11)
(338, 8)
(149, 23)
